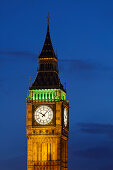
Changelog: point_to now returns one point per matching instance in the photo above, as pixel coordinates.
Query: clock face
(43, 115)
(65, 116)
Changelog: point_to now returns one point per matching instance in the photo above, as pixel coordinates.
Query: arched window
(51, 66)
(35, 96)
(41, 96)
(47, 96)
(50, 95)
(44, 96)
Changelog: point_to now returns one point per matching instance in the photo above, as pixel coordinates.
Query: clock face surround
(65, 116)
(43, 115)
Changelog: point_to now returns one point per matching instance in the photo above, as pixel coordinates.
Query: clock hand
(42, 114)
(45, 112)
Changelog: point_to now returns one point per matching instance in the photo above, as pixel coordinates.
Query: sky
(82, 36)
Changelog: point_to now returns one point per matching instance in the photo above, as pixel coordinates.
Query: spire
(47, 77)
(48, 17)
(47, 50)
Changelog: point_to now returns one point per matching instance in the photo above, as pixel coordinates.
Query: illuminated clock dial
(65, 116)
(43, 115)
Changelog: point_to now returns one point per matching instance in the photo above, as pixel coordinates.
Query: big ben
(47, 116)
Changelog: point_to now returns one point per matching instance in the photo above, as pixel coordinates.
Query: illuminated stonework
(47, 119)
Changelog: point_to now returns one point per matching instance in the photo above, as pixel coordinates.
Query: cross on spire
(48, 17)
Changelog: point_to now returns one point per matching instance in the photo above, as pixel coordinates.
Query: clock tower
(47, 119)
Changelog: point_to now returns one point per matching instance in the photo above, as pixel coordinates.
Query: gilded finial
(30, 82)
(27, 95)
(65, 85)
(48, 17)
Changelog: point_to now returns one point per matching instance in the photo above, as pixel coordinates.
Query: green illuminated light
(46, 95)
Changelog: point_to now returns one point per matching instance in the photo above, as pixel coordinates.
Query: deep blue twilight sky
(82, 34)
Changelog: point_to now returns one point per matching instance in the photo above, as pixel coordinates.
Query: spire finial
(30, 82)
(48, 17)
(65, 85)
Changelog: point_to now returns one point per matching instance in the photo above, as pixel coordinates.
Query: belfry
(47, 119)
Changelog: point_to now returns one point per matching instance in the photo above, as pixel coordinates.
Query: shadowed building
(47, 121)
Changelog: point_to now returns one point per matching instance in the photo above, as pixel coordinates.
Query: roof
(47, 50)
(47, 80)
(47, 77)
